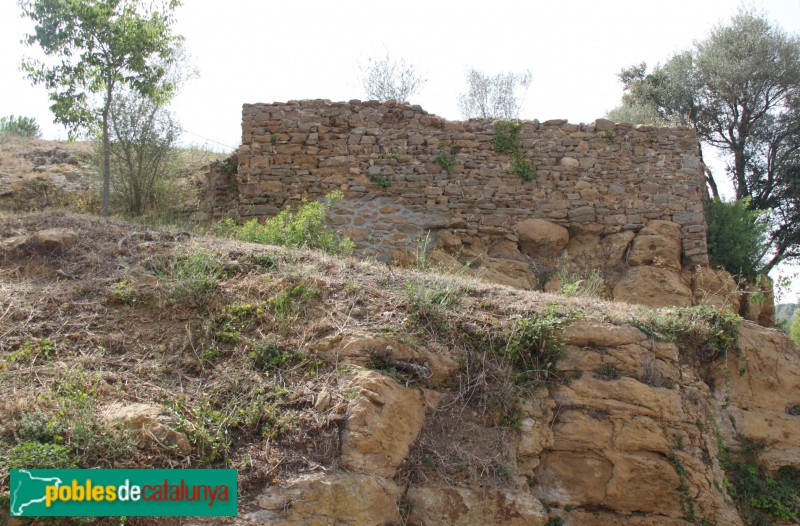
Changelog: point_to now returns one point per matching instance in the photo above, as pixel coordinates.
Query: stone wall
(595, 179)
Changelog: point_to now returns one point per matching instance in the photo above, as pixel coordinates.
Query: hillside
(350, 392)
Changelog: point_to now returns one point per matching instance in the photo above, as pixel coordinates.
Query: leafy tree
(20, 126)
(740, 89)
(385, 78)
(737, 237)
(493, 97)
(794, 331)
(94, 48)
(142, 145)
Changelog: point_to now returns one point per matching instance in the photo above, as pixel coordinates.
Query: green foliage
(26, 127)
(760, 498)
(793, 410)
(506, 139)
(34, 455)
(535, 346)
(430, 298)
(555, 521)
(687, 502)
(737, 89)
(704, 333)
(305, 228)
(288, 303)
(99, 46)
(196, 275)
(737, 237)
(576, 284)
(794, 330)
(31, 351)
(269, 355)
(446, 158)
(122, 292)
(381, 181)
(143, 153)
(607, 134)
(608, 372)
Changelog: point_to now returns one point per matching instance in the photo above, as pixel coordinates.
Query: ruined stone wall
(597, 179)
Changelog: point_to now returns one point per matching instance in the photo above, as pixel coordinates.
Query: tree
(94, 48)
(497, 97)
(794, 331)
(143, 135)
(385, 78)
(740, 89)
(20, 126)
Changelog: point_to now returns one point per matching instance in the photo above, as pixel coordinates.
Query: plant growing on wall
(506, 139)
(446, 159)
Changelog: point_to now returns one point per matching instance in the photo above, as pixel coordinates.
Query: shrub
(20, 127)
(33, 455)
(794, 331)
(535, 347)
(580, 284)
(737, 236)
(304, 228)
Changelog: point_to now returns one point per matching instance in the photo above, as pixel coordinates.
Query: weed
(288, 303)
(229, 166)
(303, 228)
(607, 134)
(704, 333)
(506, 139)
(381, 181)
(35, 455)
(793, 410)
(394, 156)
(580, 284)
(122, 292)
(759, 497)
(446, 159)
(268, 355)
(534, 347)
(273, 138)
(555, 521)
(687, 502)
(31, 351)
(194, 275)
(430, 298)
(607, 372)
(26, 127)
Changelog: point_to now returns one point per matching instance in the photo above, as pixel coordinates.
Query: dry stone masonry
(626, 200)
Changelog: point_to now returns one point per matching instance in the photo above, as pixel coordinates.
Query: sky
(250, 51)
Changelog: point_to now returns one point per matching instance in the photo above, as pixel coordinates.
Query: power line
(184, 130)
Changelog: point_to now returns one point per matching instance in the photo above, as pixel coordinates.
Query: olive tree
(493, 97)
(93, 48)
(385, 78)
(740, 89)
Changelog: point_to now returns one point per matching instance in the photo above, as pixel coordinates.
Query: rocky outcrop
(631, 437)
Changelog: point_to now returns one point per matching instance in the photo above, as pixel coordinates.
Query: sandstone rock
(604, 125)
(508, 272)
(667, 229)
(643, 482)
(585, 248)
(54, 240)
(505, 249)
(588, 332)
(654, 287)
(446, 505)
(148, 424)
(349, 499)
(655, 250)
(449, 242)
(616, 245)
(538, 237)
(715, 287)
(570, 478)
(383, 421)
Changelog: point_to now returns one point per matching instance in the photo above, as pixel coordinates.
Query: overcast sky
(250, 51)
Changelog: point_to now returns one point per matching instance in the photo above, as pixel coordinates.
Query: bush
(794, 331)
(19, 126)
(737, 237)
(304, 228)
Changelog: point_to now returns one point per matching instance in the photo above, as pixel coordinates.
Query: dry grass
(111, 309)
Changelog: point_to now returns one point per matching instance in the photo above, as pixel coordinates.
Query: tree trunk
(106, 151)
